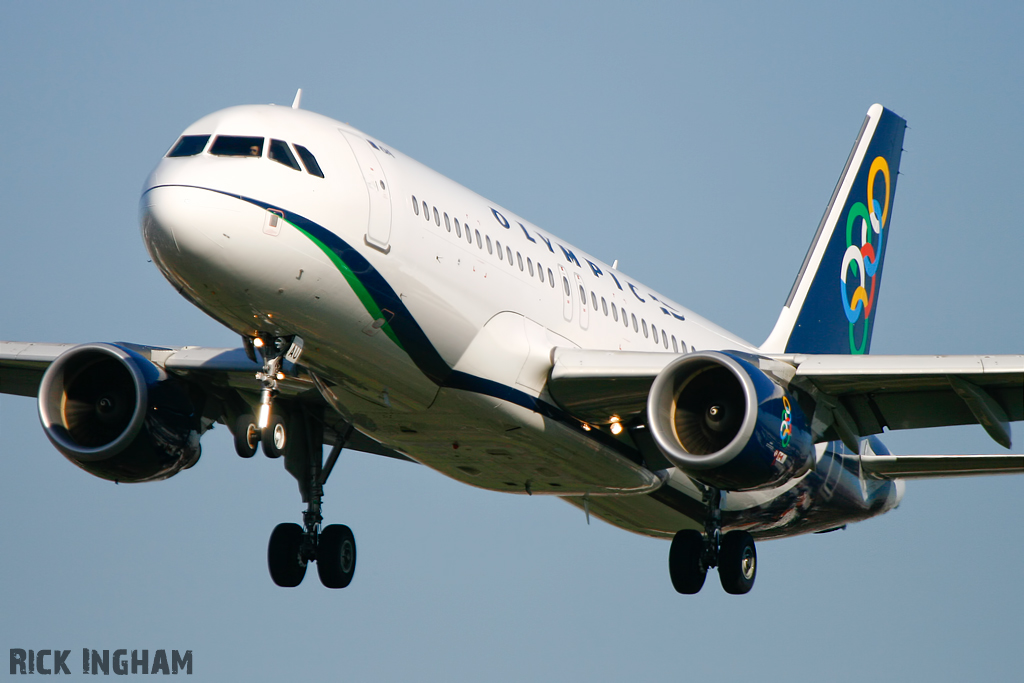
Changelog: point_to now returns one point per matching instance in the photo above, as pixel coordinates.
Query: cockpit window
(309, 160)
(189, 146)
(280, 153)
(237, 146)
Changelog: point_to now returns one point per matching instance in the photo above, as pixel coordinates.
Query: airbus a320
(385, 308)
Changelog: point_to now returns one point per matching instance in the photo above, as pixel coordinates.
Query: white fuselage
(428, 312)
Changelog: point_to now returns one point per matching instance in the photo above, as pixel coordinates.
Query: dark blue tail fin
(832, 305)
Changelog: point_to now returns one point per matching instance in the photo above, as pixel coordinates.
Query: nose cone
(191, 231)
(206, 244)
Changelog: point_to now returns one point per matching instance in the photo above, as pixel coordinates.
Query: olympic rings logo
(863, 257)
(786, 428)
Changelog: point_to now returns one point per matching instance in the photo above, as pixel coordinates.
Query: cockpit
(247, 147)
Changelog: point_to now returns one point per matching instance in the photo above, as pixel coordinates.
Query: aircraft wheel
(737, 562)
(286, 567)
(274, 437)
(336, 556)
(247, 436)
(685, 566)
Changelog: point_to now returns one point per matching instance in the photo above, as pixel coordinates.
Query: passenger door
(378, 230)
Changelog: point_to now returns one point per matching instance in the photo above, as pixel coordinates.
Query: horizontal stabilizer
(930, 466)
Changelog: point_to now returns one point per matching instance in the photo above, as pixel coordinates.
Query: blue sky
(696, 143)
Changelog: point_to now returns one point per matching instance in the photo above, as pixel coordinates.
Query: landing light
(616, 428)
(264, 416)
(258, 343)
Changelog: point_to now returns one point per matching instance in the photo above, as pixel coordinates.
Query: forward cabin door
(378, 230)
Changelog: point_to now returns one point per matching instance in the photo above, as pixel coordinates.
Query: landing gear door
(378, 230)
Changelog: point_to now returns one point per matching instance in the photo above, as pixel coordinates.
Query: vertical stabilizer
(832, 305)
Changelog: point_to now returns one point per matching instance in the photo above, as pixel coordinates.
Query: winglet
(832, 305)
(298, 99)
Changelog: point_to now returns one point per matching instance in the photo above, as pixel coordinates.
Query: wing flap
(914, 392)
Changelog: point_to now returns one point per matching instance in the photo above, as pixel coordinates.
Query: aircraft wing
(217, 372)
(853, 396)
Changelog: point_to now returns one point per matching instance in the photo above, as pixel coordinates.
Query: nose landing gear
(692, 553)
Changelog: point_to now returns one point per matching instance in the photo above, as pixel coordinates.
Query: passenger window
(237, 146)
(447, 223)
(664, 339)
(310, 161)
(654, 333)
(551, 279)
(565, 285)
(540, 272)
(604, 306)
(529, 265)
(501, 254)
(508, 250)
(437, 219)
(645, 327)
(675, 345)
(426, 212)
(415, 206)
(189, 146)
(458, 230)
(280, 153)
(479, 242)
(636, 328)
(490, 249)
(519, 258)
(469, 234)
(593, 300)
(615, 313)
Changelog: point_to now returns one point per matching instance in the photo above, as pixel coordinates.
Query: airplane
(385, 308)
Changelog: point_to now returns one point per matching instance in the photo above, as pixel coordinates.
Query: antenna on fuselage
(298, 99)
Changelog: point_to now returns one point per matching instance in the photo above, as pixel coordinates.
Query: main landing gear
(692, 553)
(297, 434)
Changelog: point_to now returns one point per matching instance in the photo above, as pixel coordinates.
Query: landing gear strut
(293, 547)
(692, 553)
(296, 434)
(272, 427)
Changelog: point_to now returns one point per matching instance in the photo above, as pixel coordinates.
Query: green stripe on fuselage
(353, 281)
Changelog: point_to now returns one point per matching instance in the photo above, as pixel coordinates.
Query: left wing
(852, 396)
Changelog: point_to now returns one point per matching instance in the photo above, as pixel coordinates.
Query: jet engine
(727, 424)
(118, 416)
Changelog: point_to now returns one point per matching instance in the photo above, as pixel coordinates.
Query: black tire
(247, 436)
(685, 565)
(336, 556)
(274, 437)
(737, 562)
(286, 568)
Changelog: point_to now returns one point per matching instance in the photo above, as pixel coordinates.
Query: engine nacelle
(117, 415)
(727, 424)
